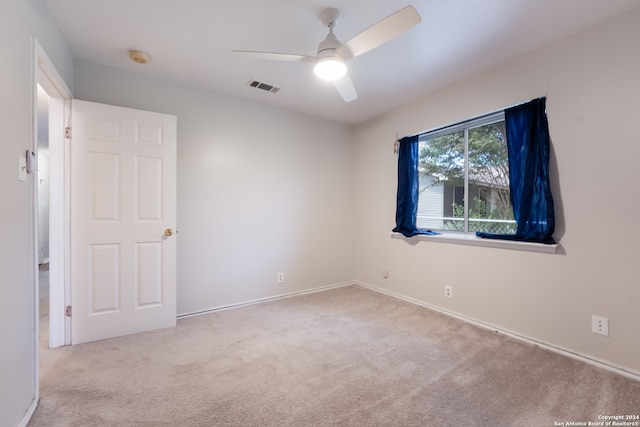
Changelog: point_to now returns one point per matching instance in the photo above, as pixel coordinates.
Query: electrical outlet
(600, 325)
(448, 291)
(280, 278)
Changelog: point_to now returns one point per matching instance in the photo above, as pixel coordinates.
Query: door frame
(46, 75)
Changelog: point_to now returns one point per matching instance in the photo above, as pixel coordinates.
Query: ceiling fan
(332, 54)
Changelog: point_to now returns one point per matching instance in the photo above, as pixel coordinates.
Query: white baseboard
(27, 415)
(257, 301)
(564, 352)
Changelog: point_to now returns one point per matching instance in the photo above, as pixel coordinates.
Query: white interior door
(123, 198)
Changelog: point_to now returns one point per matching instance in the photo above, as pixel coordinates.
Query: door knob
(168, 232)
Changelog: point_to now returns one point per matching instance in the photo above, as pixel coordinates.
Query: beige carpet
(343, 357)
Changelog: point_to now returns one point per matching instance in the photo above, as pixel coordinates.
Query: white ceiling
(190, 41)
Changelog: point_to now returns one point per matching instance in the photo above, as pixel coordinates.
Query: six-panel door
(123, 198)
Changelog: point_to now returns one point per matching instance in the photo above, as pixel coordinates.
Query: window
(488, 175)
(471, 159)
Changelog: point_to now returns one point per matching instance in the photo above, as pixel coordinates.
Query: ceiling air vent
(264, 86)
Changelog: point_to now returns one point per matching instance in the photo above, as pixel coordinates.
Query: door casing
(46, 75)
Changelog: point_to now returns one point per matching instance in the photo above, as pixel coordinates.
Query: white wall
(592, 85)
(20, 20)
(260, 190)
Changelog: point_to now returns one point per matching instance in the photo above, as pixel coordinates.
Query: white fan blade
(381, 32)
(274, 56)
(345, 88)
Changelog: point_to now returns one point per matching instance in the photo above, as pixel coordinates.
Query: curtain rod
(481, 116)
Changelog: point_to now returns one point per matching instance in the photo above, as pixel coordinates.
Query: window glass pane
(441, 166)
(489, 201)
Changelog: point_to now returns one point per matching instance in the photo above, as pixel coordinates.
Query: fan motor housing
(330, 44)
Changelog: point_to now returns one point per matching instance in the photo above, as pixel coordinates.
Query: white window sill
(473, 240)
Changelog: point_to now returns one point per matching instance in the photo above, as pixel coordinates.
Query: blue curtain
(408, 188)
(528, 145)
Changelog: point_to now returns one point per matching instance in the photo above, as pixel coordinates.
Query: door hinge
(67, 132)
(67, 311)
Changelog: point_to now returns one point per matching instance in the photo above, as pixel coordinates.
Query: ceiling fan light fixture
(330, 68)
(332, 54)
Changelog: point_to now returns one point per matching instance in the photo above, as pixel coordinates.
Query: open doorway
(43, 213)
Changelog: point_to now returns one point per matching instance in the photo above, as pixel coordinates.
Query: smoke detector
(138, 56)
